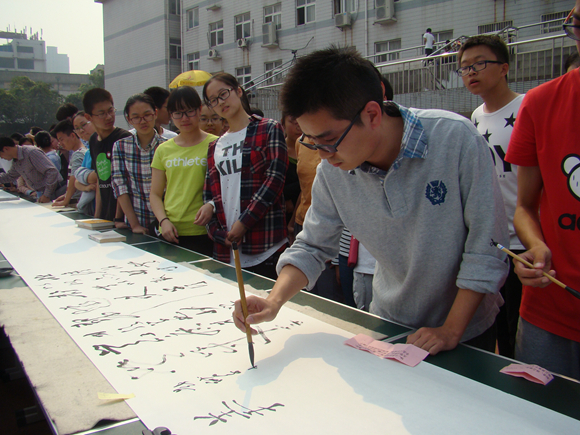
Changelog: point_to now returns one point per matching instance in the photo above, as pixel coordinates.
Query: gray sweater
(428, 221)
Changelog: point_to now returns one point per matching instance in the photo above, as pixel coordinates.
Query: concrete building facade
(142, 46)
(56, 62)
(22, 54)
(215, 30)
(151, 43)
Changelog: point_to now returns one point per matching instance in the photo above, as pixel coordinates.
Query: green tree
(26, 104)
(97, 80)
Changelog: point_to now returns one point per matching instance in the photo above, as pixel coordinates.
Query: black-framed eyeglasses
(223, 95)
(572, 31)
(188, 113)
(327, 147)
(103, 115)
(137, 119)
(476, 67)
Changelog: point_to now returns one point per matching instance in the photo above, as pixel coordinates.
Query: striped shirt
(36, 169)
(131, 174)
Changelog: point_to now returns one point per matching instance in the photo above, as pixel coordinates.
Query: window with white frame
(174, 48)
(341, 6)
(242, 23)
(383, 50)
(174, 7)
(305, 11)
(192, 18)
(494, 27)
(553, 26)
(193, 61)
(270, 69)
(273, 14)
(216, 33)
(244, 74)
(443, 35)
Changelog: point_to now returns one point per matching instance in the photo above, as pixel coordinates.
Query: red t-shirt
(547, 134)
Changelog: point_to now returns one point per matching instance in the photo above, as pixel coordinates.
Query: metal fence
(431, 82)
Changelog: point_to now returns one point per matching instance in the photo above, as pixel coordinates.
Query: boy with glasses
(99, 110)
(70, 142)
(484, 66)
(544, 144)
(416, 187)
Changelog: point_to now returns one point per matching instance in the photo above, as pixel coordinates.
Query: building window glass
(553, 26)
(273, 14)
(244, 74)
(25, 63)
(243, 24)
(341, 6)
(305, 11)
(7, 62)
(382, 50)
(216, 33)
(193, 18)
(174, 48)
(269, 68)
(174, 7)
(193, 61)
(494, 27)
(23, 49)
(6, 47)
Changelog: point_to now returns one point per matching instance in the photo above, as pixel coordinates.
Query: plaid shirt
(264, 165)
(36, 169)
(131, 174)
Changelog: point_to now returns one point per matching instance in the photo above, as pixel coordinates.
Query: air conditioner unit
(269, 36)
(243, 42)
(385, 11)
(343, 20)
(213, 54)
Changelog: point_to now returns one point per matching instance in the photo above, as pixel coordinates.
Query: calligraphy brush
(243, 301)
(531, 266)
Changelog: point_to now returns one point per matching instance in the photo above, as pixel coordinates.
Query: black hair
(43, 139)
(143, 98)
(95, 96)
(25, 139)
(182, 99)
(572, 60)
(229, 80)
(257, 111)
(428, 29)
(65, 126)
(6, 142)
(336, 79)
(65, 111)
(158, 94)
(79, 113)
(34, 130)
(16, 136)
(389, 94)
(493, 42)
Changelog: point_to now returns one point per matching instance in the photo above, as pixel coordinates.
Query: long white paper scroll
(164, 333)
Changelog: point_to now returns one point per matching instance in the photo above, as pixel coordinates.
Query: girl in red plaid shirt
(245, 180)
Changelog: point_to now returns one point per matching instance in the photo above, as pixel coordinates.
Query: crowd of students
(416, 188)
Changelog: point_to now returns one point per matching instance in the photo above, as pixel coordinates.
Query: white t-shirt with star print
(497, 128)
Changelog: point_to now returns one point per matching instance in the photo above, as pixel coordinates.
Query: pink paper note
(531, 372)
(406, 353)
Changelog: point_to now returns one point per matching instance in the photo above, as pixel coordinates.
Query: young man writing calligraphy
(416, 187)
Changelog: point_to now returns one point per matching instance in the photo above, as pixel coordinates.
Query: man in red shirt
(544, 144)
